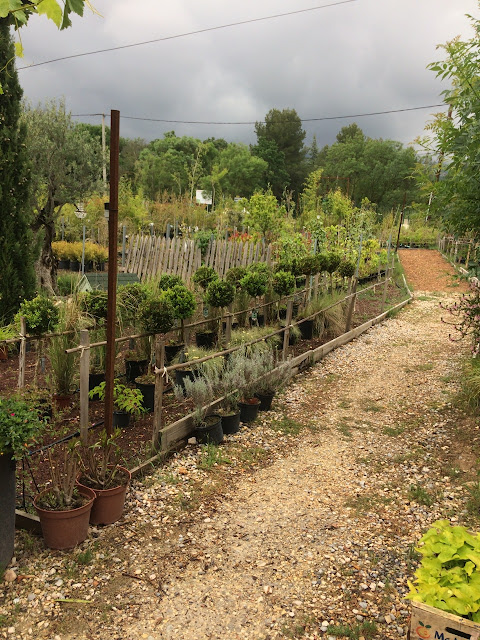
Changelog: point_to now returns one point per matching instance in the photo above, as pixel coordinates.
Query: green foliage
(346, 268)
(449, 577)
(283, 283)
(220, 293)
(95, 304)
(202, 239)
(264, 214)
(365, 630)
(234, 276)
(124, 398)
(203, 276)
(309, 265)
(40, 313)
(17, 13)
(67, 283)
(63, 366)
(332, 261)
(17, 250)
(157, 314)
(181, 300)
(130, 297)
(168, 280)
(254, 283)
(20, 425)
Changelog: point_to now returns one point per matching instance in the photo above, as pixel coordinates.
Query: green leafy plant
(183, 304)
(168, 280)
(234, 275)
(283, 283)
(220, 293)
(63, 494)
(20, 425)
(157, 314)
(449, 577)
(203, 276)
(40, 313)
(124, 398)
(254, 283)
(99, 461)
(95, 304)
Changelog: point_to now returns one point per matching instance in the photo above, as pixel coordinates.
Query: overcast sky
(357, 57)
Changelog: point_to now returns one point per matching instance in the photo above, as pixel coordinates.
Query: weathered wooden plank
(27, 522)
(84, 375)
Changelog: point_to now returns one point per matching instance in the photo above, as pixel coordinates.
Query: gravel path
(303, 526)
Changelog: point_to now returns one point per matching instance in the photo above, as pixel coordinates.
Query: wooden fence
(149, 256)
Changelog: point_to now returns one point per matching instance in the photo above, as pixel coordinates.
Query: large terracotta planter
(65, 529)
(109, 503)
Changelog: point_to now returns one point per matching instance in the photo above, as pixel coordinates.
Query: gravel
(287, 534)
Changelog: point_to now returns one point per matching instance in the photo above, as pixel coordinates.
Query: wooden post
(23, 353)
(159, 384)
(387, 272)
(84, 371)
(288, 322)
(468, 254)
(228, 322)
(348, 324)
(315, 285)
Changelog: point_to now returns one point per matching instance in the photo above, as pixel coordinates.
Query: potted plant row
(127, 402)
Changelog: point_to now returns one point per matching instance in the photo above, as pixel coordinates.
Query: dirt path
(426, 270)
(365, 451)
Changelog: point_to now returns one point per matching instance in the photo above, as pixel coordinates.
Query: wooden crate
(428, 623)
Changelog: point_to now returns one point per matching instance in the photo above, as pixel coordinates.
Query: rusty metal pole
(112, 269)
(401, 220)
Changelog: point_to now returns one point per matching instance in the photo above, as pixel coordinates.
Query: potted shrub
(63, 507)
(220, 294)
(275, 378)
(210, 368)
(100, 470)
(283, 284)
(168, 280)
(63, 366)
(183, 304)
(20, 425)
(203, 276)
(248, 369)
(40, 313)
(255, 283)
(157, 317)
(130, 298)
(126, 402)
(208, 429)
(227, 386)
(61, 252)
(446, 591)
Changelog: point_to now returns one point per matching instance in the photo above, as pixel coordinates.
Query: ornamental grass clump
(449, 574)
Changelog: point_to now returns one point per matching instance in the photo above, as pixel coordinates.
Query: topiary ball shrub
(283, 283)
(203, 276)
(41, 315)
(234, 275)
(346, 268)
(333, 259)
(308, 265)
(182, 301)
(254, 283)
(168, 280)
(157, 314)
(220, 294)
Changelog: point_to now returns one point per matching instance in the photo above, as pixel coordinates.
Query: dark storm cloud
(360, 57)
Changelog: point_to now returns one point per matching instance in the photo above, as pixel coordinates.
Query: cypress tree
(17, 276)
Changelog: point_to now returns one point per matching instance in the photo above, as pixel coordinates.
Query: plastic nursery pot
(265, 400)
(171, 350)
(121, 419)
(65, 529)
(306, 329)
(61, 402)
(206, 339)
(63, 264)
(231, 423)
(94, 379)
(109, 503)
(210, 431)
(7, 508)
(74, 265)
(148, 392)
(249, 409)
(135, 369)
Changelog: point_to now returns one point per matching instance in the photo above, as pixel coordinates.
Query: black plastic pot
(265, 400)
(63, 264)
(260, 321)
(135, 369)
(206, 339)
(74, 265)
(231, 423)
(148, 392)
(210, 432)
(249, 410)
(306, 329)
(171, 350)
(121, 419)
(181, 375)
(7, 509)
(94, 379)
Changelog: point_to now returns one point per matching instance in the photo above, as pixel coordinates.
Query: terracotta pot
(109, 503)
(61, 402)
(65, 529)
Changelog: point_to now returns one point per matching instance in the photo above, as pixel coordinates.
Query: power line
(356, 115)
(188, 33)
